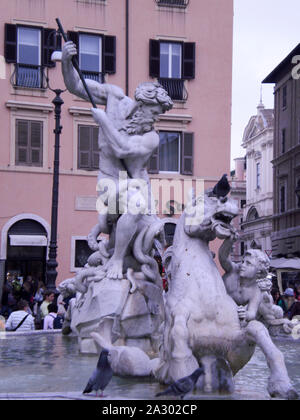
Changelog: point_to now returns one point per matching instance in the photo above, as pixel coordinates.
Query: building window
(173, 3)
(284, 97)
(29, 57)
(282, 202)
(97, 54)
(29, 143)
(170, 69)
(169, 152)
(252, 215)
(174, 154)
(172, 63)
(170, 60)
(90, 62)
(82, 253)
(88, 150)
(243, 203)
(283, 141)
(30, 50)
(258, 175)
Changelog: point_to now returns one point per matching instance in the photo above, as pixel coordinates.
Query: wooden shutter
(10, 48)
(84, 147)
(154, 58)
(22, 131)
(187, 152)
(188, 60)
(29, 143)
(109, 54)
(36, 143)
(95, 148)
(153, 164)
(51, 42)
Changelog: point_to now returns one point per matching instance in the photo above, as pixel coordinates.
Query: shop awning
(285, 263)
(28, 240)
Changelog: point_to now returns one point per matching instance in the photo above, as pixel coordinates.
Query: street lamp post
(51, 271)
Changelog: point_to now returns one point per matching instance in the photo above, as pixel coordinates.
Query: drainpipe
(127, 47)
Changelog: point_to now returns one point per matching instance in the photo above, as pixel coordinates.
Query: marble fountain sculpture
(119, 301)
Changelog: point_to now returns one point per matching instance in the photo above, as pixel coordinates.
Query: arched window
(252, 215)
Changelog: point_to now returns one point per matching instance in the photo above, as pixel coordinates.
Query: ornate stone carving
(202, 317)
(119, 292)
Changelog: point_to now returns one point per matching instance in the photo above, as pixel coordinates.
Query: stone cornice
(30, 106)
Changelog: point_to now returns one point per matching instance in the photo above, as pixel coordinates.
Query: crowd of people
(28, 305)
(289, 301)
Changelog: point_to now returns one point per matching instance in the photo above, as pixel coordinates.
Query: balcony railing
(173, 3)
(29, 76)
(98, 77)
(175, 88)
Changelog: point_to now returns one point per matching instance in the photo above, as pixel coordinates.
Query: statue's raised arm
(99, 91)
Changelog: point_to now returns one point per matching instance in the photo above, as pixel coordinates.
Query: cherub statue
(249, 284)
(242, 279)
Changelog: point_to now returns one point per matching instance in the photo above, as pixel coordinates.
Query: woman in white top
(20, 320)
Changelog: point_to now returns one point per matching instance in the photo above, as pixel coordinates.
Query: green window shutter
(154, 58)
(10, 43)
(188, 60)
(187, 153)
(109, 54)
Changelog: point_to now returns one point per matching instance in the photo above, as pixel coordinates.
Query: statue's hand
(98, 115)
(68, 51)
(242, 313)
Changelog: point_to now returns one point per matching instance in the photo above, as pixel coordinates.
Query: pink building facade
(186, 45)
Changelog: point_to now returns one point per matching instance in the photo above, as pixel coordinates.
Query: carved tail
(142, 247)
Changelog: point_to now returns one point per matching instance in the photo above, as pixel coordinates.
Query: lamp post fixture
(51, 270)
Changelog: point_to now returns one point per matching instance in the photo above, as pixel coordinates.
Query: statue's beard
(138, 124)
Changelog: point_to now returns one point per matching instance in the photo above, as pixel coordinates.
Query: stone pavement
(54, 396)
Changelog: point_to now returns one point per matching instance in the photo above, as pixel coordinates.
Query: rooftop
(283, 68)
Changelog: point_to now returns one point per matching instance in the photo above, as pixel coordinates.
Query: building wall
(259, 150)
(286, 236)
(206, 112)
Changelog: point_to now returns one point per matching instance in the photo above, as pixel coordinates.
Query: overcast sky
(265, 32)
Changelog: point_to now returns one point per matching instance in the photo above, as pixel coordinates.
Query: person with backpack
(53, 321)
(20, 320)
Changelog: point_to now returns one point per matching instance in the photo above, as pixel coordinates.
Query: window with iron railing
(29, 76)
(172, 63)
(96, 54)
(175, 88)
(90, 56)
(29, 49)
(173, 3)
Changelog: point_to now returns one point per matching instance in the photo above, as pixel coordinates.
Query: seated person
(291, 304)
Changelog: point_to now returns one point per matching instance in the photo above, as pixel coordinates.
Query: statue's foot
(282, 389)
(114, 269)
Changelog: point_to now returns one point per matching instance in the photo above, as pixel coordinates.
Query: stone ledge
(9, 334)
